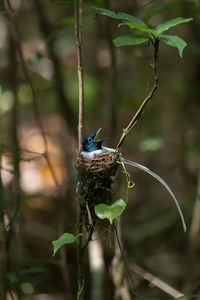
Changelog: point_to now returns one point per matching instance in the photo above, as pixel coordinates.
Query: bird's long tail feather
(145, 169)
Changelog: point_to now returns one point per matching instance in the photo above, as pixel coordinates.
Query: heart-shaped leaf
(110, 212)
(66, 238)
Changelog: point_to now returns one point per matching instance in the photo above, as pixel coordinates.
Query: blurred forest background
(38, 140)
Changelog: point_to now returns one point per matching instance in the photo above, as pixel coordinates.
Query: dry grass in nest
(95, 178)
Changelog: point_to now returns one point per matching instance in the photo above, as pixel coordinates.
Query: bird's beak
(97, 134)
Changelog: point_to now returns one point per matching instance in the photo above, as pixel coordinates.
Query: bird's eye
(90, 140)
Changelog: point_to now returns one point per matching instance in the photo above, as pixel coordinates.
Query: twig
(80, 255)
(118, 268)
(14, 126)
(84, 246)
(146, 100)
(156, 281)
(78, 251)
(78, 36)
(16, 195)
(133, 289)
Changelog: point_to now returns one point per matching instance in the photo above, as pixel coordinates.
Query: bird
(92, 147)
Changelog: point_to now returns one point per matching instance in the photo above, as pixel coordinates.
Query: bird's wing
(106, 150)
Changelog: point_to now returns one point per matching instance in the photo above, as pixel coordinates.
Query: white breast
(89, 155)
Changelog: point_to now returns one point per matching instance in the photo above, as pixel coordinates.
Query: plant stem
(78, 36)
(133, 287)
(155, 281)
(147, 98)
(16, 194)
(118, 268)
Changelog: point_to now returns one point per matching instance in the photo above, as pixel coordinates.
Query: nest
(95, 179)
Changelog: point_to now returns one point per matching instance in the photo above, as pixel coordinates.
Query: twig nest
(95, 177)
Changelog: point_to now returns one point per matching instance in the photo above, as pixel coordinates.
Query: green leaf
(141, 28)
(174, 41)
(120, 16)
(129, 40)
(66, 238)
(110, 212)
(11, 277)
(171, 23)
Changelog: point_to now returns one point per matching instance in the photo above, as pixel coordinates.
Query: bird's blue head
(91, 144)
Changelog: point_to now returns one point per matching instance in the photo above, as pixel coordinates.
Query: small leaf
(120, 16)
(174, 41)
(141, 28)
(110, 212)
(171, 23)
(129, 40)
(66, 238)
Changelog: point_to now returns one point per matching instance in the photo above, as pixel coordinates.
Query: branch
(156, 281)
(78, 36)
(146, 100)
(16, 194)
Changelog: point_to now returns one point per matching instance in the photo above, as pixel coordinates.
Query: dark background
(165, 139)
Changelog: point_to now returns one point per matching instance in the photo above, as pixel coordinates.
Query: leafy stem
(78, 37)
(147, 98)
(146, 34)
